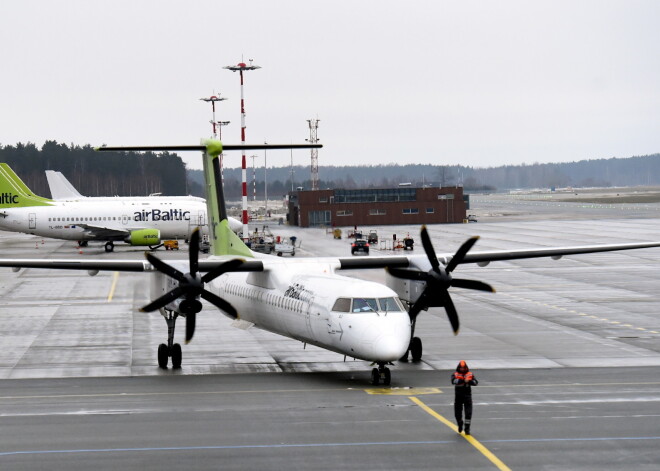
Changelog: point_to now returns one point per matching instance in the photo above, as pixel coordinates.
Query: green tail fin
(222, 239)
(16, 194)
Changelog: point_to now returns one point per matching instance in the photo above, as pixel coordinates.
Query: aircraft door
(201, 218)
(308, 318)
(32, 221)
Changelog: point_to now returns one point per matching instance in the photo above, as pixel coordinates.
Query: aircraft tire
(177, 356)
(375, 377)
(162, 356)
(387, 380)
(109, 246)
(416, 349)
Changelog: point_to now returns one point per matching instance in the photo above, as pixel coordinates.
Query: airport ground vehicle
(373, 237)
(360, 245)
(171, 244)
(408, 243)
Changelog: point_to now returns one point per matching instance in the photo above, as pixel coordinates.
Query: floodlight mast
(240, 67)
(313, 139)
(217, 126)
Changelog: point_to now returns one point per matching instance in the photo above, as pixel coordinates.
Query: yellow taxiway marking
(473, 441)
(403, 391)
(115, 278)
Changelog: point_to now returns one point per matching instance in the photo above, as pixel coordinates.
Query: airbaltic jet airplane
(62, 190)
(304, 299)
(142, 221)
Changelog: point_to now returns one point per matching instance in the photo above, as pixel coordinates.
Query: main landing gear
(415, 347)
(109, 246)
(172, 349)
(381, 373)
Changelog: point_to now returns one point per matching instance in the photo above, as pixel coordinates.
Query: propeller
(191, 286)
(438, 280)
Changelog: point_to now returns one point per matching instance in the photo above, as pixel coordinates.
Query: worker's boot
(467, 427)
(460, 425)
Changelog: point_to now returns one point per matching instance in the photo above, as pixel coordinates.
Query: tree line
(631, 171)
(138, 174)
(97, 173)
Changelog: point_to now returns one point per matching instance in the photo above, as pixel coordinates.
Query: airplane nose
(390, 347)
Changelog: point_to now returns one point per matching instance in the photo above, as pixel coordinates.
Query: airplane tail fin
(222, 238)
(16, 194)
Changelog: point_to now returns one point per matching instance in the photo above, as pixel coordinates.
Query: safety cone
(42, 242)
(36, 245)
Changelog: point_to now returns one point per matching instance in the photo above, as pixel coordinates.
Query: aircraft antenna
(241, 67)
(313, 139)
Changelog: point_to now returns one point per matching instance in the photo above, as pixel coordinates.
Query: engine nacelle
(144, 237)
(407, 290)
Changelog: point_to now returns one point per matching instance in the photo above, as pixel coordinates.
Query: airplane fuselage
(310, 303)
(174, 217)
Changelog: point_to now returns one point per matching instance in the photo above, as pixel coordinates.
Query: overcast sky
(444, 82)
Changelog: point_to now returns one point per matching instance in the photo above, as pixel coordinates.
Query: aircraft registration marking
(403, 391)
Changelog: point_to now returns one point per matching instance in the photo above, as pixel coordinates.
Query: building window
(410, 211)
(446, 197)
(377, 212)
(323, 199)
(319, 218)
(430, 210)
(345, 212)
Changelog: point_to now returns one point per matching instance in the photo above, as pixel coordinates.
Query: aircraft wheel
(416, 349)
(387, 380)
(162, 356)
(177, 356)
(109, 246)
(375, 377)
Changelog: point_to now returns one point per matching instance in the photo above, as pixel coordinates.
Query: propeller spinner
(438, 281)
(191, 286)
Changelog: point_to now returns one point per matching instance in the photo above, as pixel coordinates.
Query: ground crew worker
(463, 380)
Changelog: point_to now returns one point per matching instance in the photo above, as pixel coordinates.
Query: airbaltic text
(7, 198)
(158, 215)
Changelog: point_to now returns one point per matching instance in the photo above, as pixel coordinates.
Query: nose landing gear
(381, 373)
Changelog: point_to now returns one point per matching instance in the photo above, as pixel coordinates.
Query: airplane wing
(485, 257)
(107, 233)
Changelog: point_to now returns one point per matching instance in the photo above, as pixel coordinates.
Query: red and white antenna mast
(240, 68)
(313, 126)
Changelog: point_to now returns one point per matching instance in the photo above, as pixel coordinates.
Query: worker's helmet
(462, 367)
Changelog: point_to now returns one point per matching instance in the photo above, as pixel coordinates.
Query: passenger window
(342, 305)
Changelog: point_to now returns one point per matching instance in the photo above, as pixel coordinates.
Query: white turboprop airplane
(304, 298)
(141, 221)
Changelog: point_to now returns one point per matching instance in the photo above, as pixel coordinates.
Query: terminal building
(377, 206)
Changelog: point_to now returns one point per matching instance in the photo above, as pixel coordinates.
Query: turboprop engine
(143, 237)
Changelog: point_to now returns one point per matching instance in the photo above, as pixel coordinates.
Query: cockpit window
(388, 304)
(342, 305)
(365, 305)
